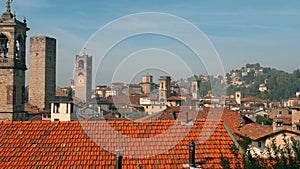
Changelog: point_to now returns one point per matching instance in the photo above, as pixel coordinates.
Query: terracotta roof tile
(69, 144)
(255, 131)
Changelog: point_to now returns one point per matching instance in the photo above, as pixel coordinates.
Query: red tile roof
(231, 118)
(254, 99)
(286, 119)
(69, 144)
(255, 131)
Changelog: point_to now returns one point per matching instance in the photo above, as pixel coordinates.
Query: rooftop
(76, 144)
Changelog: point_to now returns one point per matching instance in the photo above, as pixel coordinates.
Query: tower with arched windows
(83, 80)
(164, 89)
(12, 65)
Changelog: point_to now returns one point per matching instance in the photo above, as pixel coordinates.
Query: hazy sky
(242, 32)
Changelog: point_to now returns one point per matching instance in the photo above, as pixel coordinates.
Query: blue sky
(242, 31)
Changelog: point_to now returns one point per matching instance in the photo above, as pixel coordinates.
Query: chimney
(174, 115)
(187, 117)
(119, 161)
(192, 149)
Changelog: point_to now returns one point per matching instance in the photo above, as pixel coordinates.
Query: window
(3, 46)
(72, 108)
(80, 65)
(259, 144)
(56, 107)
(56, 119)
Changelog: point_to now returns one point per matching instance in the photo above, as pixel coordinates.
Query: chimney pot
(192, 149)
(187, 117)
(119, 161)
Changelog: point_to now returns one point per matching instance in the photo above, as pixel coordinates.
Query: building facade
(42, 71)
(12, 66)
(62, 111)
(83, 82)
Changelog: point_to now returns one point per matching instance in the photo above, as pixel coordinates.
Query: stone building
(164, 88)
(12, 65)
(42, 71)
(83, 82)
(195, 89)
(147, 84)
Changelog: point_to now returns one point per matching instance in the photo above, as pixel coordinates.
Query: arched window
(80, 65)
(3, 46)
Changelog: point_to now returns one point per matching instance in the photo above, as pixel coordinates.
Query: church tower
(83, 81)
(12, 66)
(164, 88)
(195, 89)
(147, 84)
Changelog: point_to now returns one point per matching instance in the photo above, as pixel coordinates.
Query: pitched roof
(285, 118)
(255, 131)
(74, 144)
(231, 118)
(254, 99)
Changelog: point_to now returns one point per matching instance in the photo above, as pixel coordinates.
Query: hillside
(262, 82)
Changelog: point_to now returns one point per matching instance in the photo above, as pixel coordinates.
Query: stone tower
(164, 88)
(83, 81)
(42, 71)
(195, 89)
(147, 84)
(12, 66)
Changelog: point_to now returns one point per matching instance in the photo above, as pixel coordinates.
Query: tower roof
(7, 15)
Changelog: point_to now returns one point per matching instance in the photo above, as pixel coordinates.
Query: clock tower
(12, 66)
(83, 80)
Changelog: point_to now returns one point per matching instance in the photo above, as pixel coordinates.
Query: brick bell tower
(12, 66)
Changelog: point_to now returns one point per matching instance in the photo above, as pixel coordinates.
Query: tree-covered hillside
(280, 85)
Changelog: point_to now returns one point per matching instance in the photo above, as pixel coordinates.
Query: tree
(287, 156)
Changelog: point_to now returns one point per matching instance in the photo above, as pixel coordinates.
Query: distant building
(134, 89)
(298, 94)
(12, 66)
(164, 88)
(262, 135)
(147, 84)
(42, 71)
(295, 118)
(195, 89)
(62, 111)
(105, 92)
(238, 97)
(83, 82)
(262, 88)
